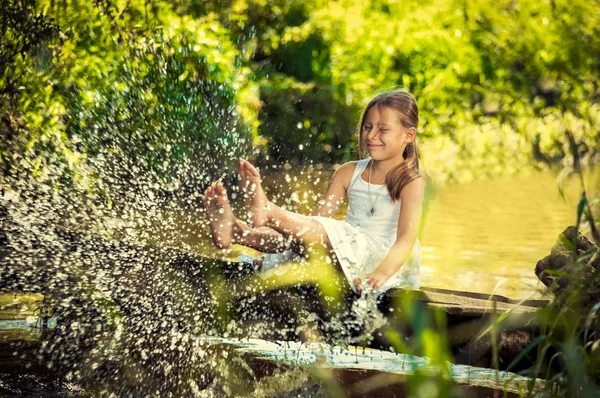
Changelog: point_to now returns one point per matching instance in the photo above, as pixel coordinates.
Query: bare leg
(263, 239)
(220, 215)
(264, 213)
(304, 230)
(226, 229)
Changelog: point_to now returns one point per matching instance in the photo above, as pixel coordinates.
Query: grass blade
(525, 351)
(580, 208)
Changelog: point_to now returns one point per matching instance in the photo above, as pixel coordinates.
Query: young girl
(376, 246)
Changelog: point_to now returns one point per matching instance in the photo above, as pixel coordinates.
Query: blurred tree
(166, 85)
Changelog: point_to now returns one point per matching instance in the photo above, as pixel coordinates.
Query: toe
(253, 171)
(206, 199)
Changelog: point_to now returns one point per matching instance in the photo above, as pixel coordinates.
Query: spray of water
(100, 214)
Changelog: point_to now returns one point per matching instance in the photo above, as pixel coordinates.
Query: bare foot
(257, 204)
(222, 219)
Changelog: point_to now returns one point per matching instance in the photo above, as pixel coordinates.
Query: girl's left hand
(376, 279)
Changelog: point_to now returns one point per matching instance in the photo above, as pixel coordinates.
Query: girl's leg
(304, 229)
(263, 239)
(226, 229)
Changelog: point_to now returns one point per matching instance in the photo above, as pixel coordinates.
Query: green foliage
(161, 81)
(23, 32)
(118, 96)
(490, 78)
(304, 121)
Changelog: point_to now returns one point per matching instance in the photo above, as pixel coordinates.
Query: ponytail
(403, 174)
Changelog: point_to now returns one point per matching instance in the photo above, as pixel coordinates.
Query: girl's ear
(411, 134)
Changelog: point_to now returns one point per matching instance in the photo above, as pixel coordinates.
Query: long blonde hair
(407, 171)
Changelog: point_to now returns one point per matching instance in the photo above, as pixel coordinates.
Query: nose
(372, 134)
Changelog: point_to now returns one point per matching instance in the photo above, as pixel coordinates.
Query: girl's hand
(357, 285)
(377, 278)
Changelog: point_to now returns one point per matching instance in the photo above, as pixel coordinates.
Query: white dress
(362, 240)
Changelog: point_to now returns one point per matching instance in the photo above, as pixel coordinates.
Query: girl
(376, 246)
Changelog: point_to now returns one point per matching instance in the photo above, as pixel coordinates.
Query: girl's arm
(335, 191)
(409, 224)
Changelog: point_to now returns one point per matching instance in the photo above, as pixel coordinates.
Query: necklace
(369, 190)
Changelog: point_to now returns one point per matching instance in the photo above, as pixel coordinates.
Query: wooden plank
(469, 303)
(539, 302)
(477, 311)
(476, 303)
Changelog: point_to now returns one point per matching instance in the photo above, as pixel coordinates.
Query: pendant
(372, 210)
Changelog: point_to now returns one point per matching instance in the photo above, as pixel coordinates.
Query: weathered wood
(468, 316)
(455, 302)
(541, 302)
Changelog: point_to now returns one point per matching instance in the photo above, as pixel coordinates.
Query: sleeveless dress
(362, 240)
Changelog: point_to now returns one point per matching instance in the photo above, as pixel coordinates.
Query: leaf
(558, 273)
(567, 171)
(566, 242)
(525, 351)
(590, 219)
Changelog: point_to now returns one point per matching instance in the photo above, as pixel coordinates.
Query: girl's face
(383, 135)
